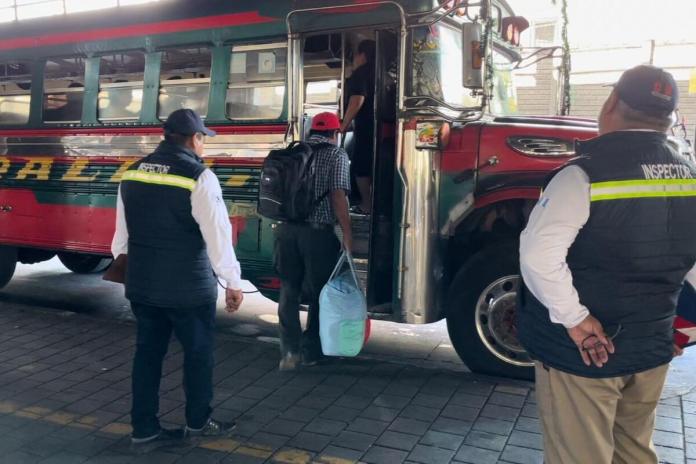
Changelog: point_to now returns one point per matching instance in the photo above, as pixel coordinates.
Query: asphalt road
(50, 285)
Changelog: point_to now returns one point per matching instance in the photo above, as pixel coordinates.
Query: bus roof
(176, 21)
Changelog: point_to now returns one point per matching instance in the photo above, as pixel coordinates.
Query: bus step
(361, 271)
(360, 225)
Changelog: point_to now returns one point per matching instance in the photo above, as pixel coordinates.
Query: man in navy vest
(603, 259)
(174, 227)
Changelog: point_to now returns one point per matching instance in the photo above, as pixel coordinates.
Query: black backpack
(286, 187)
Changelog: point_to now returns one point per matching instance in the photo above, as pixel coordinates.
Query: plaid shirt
(332, 173)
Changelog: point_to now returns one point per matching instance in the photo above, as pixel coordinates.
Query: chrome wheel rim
(495, 321)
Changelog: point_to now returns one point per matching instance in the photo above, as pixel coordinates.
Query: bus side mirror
(472, 58)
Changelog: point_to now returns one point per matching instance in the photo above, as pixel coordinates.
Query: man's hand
(677, 350)
(348, 243)
(592, 342)
(234, 299)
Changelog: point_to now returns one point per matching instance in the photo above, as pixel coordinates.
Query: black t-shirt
(362, 82)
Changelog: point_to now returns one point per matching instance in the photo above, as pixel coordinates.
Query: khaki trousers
(598, 421)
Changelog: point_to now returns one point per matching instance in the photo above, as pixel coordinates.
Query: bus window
(15, 89)
(63, 89)
(184, 80)
(121, 86)
(256, 89)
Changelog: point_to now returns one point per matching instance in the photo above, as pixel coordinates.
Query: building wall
(594, 69)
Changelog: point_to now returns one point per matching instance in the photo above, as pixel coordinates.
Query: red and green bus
(456, 172)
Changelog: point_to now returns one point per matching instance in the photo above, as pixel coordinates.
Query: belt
(311, 225)
(320, 226)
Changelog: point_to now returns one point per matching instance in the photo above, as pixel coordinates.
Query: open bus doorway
(327, 65)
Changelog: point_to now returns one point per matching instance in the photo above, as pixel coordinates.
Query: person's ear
(612, 102)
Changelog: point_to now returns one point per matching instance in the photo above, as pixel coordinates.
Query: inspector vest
(630, 259)
(168, 265)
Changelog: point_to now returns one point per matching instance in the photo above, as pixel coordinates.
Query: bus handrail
(442, 15)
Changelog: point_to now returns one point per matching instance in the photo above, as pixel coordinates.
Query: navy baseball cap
(649, 89)
(186, 122)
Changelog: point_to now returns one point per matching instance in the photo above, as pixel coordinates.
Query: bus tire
(481, 314)
(84, 264)
(8, 263)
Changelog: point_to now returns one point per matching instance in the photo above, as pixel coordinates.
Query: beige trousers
(598, 421)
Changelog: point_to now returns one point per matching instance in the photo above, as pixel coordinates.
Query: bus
(456, 172)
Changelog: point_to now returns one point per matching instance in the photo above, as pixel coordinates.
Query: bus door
(381, 248)
(326, 65)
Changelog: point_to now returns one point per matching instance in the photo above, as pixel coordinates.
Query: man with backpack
(306, 249)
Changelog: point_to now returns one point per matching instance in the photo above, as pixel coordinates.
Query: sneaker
(165, 437)
(289, 362)
(212, 428)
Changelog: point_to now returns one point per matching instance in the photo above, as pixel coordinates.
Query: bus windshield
(438, 67)
(504, 98)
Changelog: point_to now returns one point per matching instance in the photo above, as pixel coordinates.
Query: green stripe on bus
(159, 179)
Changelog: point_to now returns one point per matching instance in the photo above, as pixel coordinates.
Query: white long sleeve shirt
(209, 211)
(555, 222)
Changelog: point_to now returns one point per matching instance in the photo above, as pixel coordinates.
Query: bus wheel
(481, 314)
(84, 264)
(8, 262)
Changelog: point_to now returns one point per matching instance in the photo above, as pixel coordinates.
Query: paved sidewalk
(65, 386)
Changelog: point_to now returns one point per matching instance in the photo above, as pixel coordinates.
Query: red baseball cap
(325, 122)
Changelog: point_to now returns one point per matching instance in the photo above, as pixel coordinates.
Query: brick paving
(65, 395)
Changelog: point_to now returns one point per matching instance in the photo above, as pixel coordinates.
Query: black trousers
(304, 259)
(194, 328)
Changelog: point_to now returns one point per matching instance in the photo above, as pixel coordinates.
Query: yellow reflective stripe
(653, 188)
(160, 179)
(626, 183)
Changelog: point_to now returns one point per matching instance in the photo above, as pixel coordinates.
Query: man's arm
(209, 211)
(553, 226)
(355, 102)
(119, 244)
(339, 187)
(339, 202)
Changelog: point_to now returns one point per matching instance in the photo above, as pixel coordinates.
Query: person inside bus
(173, 225)
(360, 93)
(71, 109)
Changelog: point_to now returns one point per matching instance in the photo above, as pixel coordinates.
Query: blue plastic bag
(342, 311)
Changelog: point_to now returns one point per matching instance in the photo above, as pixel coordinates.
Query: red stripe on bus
(208, 22)
(274, 129)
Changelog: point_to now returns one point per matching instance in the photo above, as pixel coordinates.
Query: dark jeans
(194, 328)
(303, 255)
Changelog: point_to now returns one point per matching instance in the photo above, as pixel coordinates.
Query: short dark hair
(368, 48)
(177, 139)
(641, 119)
(328, 134)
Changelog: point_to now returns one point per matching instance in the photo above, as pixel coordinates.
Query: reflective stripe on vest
(654, 188)
(160, 179)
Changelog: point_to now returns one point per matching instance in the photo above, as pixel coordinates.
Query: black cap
(186, 122)
(649, 89)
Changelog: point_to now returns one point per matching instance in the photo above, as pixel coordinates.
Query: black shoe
(311, 357)
(165, 437)
(212, 428)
